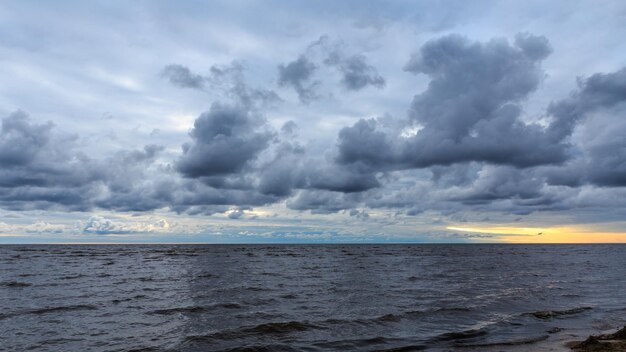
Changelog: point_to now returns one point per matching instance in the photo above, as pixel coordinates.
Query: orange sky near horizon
(558, 234)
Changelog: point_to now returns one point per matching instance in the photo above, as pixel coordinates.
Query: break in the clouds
(273, 121)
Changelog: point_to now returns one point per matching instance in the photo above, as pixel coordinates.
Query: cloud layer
(378, 117)
(467, 127)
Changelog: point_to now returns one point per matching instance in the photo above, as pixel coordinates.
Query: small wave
(57, 341)
(72, 277)
(276, 328)
(388, 318)
(418, 313)
(204, 276)
(525, 341)
(171, 311)
(144, 349)
(47, 310)
(195, 309)
(460, 335)
(261, 348)
(15, 284)
(393, 317)
(340, 345)
(229, 305)
(255, 288)
(454, 309)
(118, 301)
(408, 348)
(547, 314)
(63, 309)
(554, 330)
(281, 327)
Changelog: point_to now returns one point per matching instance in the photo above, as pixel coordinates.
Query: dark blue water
(307, 297)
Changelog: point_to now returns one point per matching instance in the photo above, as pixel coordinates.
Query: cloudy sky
(312, 121)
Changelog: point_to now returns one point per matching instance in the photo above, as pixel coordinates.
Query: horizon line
(311, 243)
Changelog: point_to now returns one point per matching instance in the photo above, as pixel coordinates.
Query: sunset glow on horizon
(556, 234)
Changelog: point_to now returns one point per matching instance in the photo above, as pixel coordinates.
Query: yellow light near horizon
(563, 234)
(11, 235)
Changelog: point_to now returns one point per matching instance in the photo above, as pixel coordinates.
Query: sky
(312, 121)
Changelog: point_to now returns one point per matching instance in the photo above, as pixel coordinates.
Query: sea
(398, 297)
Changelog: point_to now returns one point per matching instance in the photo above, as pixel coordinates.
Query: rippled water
(307, 297)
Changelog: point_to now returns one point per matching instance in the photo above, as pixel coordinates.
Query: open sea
(308, 297)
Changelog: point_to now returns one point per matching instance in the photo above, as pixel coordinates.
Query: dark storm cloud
(284, 171)
(337, 178)
(470, 111)
(601, 160)
(600, 91)
(291, 168)
(502, 182)
(20, 141)
(193, 196)
(606, 165)
(365, 143)
(356, 72)
(38, 169)
(298, 75)
(132, 181)
(224, 140)
(49, 172)
(464, 143)
(323, 202)
(455, 175)
(220, 165)
(181, 76)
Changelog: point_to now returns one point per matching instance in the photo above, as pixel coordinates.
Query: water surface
(307, 297)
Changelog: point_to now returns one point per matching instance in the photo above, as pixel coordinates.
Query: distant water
(307, 297)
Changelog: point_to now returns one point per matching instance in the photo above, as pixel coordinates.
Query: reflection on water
(305, 297)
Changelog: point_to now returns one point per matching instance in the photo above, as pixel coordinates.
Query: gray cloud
(228, 80)
(470, 111)
(600, 91)
(181, 76)
(356, 72)
(238, 213)
(502, 182)
(52, 174)
(600, 98)
(284, 171)
(359, 214)
(332, 177)
(20, 141)
(466, 142)
(298, 75)
(103, 226)
(323, 202)
(38, 168)
(224, 140)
